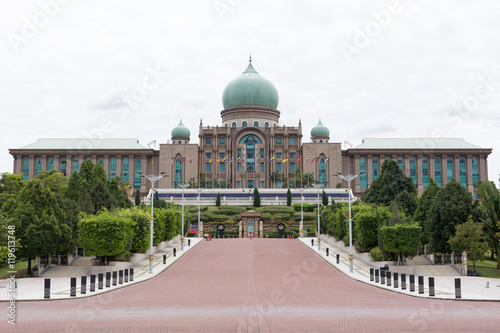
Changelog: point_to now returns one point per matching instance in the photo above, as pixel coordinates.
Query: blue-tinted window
(437, 171)
(238, 184)
(76, 164)
(375, 171)
(101, 162)
(51, 164)
(233, 125)
(292, 166)
(475, 172)
(63, 166)
(266, 125)
(262, 183)
(250, 184)
(238, 167)
(292, 140)
(137, 176)
(244, 124)
(322, 171)
(425, 172)
(363, 177)
(262, 154)
(413, 170)
(449, 169)
(261, 167)
(208, 140)
(238, 153)
(222, 140)
(125, 169)
(222, 162)
(401, 163)
(255, 124)
(112, 168)
(38, 165)
(279, 140)
(26, 168)
(178, 172)
(463, 172)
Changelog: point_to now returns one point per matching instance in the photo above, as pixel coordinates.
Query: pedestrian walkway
(33, 288)
(79, 267)
(473, 288)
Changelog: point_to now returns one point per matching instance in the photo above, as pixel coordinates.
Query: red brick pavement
(259, 285)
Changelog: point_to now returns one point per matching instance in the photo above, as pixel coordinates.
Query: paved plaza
(258, 285)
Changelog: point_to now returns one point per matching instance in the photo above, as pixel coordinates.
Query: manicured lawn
(21, 268)
(487, 268)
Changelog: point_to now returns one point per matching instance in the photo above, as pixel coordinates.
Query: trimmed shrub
(376, 254)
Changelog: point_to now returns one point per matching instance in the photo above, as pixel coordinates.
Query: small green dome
(180, 131)
(320, 130)
(250, 88)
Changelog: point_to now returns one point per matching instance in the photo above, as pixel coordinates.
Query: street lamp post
(182, 186)
(318, 186)
(153, 179)
(348, 179)
(301, 227)
(199, 194)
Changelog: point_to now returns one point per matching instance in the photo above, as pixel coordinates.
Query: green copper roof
(85, 143)
(180, 131)
(250, 88)
(415, 143)
(320, 130)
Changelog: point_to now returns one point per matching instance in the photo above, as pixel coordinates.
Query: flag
(199, 158)
(272, 158)
(184, 160)
(286, 159)
(326, 160)
(191, 160)
(313, 160)
(231, 160)
(300, 159)
(210, 160)
(340, 160)
(224, 159)
(307, 158)
(217, 161)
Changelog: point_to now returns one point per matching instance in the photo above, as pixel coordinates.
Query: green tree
(303, 180)
(401, 239)
(390, 187)
(324, 199)
(422, 214)
(73, 190)
(490, 200)
(366, 224)
(256, 197)
(288, 197)
(469, 237)
(275, 177)
(40, 222)
(452, 207)
(10, 186)
(102, 197)
(55, 180)
(137, 197)
(140, 242)
(217, 201)
(105, 234)
(117, 188)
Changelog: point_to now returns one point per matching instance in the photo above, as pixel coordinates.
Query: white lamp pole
(301, 227)
(183, 186)
(153, 179)
(199, 194)
(348, 179)
(318, 186)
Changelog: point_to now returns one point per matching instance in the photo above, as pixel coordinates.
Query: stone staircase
(79, 267)
(422, 266)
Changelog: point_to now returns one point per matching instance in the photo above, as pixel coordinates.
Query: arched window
(449, 167)
(63, 166)
(112, 168)
(320, 141)
(101, 162)
(437, 171)
(125, 169)
(463, 172)
(137, 176)
(178, 172)
(363, 177)
(413, 170)
(322, 171)
(26, 168)
(51, 164)
(401, 163)
(244, 124)
(38, 165)
(233, 125)
(475, 172)
(375, 168)
(266, 125)
(179, 142)
(250, 138)
(425, 172)
(255, 124)
(76, 164)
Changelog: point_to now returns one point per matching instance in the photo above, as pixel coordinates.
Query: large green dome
(180, 131)
(320, 130)
(250, 88)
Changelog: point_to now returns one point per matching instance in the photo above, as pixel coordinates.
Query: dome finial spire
(250, 59)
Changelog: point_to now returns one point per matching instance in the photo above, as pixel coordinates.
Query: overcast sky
(132, 69)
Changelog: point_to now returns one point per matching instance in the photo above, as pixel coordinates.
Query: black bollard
(403, 281)
(120, 276)
(175, 252)
(189, 242)
(382, 276)
(420, 284)
(126, 275)
(92, 282)
(108, 279)
(46, 289)
(388, 276)
(371, 274)
(72, 285)
(100, 279)
(312, 242)
(458, 288)
(376, 275)
(412, 283)
(131, 274)
(327, 252)
(396, 280)
(115, 275)
(164, 259)
(83, 285)
(338, 258)
(432, 290)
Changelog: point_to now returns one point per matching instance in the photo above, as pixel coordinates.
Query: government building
(250, 149)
